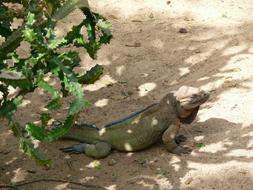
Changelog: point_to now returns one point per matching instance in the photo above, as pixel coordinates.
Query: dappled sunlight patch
(213, 147)
(128, 147)
(61, 186)
(120, 69)
(144, 89)
(203, 78)
(36, 143)
(67, 157)
(197, 58)
(175, 162)
(129, 154)
(94, 164)
(240, 153)
(157, 43)
(154, 122)
(129, 131)
(111, 187)
(184, 71)
(241, 64)
(87, 179)
(234, 105)
(152, 182)
(104, 81)
(11, 160)
(250, 144)
(234, 50)
(136, 120)
(102, 131)
(25, 103)
(206, 35)
(131, 7)
(199, 138)
(224, 175)
(101, 103)
(145, 184)
(19, 175)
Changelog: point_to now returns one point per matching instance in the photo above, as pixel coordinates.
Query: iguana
(143, 128)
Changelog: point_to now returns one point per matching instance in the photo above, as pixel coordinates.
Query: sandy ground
(148, 57)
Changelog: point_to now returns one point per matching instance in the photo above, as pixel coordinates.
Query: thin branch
(50, 180)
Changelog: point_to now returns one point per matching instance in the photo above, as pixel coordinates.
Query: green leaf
(44, 118)
(29, 35)
(52, 41)
(9, 107)
(200, 145)
(69, 7)
(39, 133)
(16, 128)
(30, 19)
(79, 102)
(60, 131)
(48, 88)
(92, 75)
(36, 132)
(54, 104)
(105, 26)
(12, 42)
(95, 24)
(28, 147)
(15, 79)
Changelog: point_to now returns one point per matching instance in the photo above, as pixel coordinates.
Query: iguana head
(188, 100)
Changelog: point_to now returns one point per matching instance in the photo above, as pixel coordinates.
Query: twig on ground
(52, 180)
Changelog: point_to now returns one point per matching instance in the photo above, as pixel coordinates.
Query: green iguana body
(141, 129)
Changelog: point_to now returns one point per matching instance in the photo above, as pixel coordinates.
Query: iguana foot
(180, 139)
(98, 150)
(181, 150)
(75, 149)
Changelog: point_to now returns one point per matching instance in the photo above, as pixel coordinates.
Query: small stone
(151, 15)
(182, 31)
(31, 171)
(188, 181)
(136, 44)
(112, 162)
(168, 2)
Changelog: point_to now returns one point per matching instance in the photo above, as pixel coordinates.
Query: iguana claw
(182, 150)
(180, 139)
(75, 149)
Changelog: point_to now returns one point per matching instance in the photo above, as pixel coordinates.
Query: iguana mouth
(194, 101)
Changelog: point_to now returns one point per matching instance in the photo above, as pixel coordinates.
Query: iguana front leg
(98, 150)
(169, 140)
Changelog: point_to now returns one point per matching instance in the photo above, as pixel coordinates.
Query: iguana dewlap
(141, 129)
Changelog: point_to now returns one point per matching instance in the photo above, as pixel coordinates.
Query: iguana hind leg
(98, 150)
(169, 140)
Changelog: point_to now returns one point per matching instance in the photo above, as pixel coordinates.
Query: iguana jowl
(142, 129)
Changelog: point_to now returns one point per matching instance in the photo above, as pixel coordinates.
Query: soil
(157, 47)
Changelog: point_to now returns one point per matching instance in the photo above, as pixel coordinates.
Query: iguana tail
(84, 133)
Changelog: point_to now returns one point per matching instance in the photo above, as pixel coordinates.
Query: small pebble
(112, 162)
(188, 181)
(183, 31)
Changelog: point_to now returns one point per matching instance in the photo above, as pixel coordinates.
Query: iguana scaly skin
(142, 129)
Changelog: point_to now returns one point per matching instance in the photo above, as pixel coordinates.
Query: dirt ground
(147, 58)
